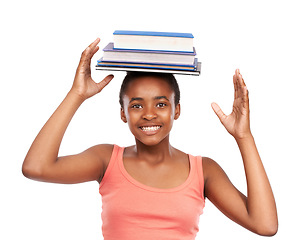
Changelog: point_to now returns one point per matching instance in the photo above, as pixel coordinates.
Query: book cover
(173, 71)
(150, 33)
(110, 47)
(191, 67)
(165, 41)
(112, 54)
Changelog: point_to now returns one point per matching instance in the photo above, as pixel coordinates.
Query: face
(149, 109)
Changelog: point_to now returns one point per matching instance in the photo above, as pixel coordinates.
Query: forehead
(149, 86)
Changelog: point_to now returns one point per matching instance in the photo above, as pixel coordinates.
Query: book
(144, 40)
(165, 52)
(173, 71)
(191, 67)
(125, 55)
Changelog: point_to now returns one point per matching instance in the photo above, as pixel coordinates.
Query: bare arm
(256, 212)
(42, 162)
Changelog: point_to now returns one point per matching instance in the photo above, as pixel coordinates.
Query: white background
(41, 43)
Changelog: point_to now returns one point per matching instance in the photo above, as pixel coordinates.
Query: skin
(153, 161)
(149, 102)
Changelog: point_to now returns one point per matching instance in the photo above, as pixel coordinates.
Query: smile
(150, 128)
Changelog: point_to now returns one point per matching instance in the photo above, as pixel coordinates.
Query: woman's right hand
(42, 162)
(83, 84)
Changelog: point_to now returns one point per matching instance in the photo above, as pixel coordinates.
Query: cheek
(168, 116)
(131, 117)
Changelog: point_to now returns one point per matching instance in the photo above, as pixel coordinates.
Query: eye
(161, 105)
(136, 106)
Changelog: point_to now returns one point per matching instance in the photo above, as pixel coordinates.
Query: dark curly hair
(168, 77)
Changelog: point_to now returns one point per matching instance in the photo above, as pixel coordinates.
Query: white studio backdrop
(41, 43)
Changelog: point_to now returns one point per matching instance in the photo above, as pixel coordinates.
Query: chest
(163, 175)
(151, 213)
(152, 210)
(142, 205)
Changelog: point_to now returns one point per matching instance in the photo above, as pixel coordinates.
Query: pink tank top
(134, 211)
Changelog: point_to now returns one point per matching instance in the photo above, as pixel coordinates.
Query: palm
(88, 86)
(237, 123)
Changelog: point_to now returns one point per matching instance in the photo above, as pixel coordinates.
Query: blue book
(147, 33)
(160, 57)
(162, 41)
(196, 72)
(192, 67)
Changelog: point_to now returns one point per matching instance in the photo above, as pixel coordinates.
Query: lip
(150, 129)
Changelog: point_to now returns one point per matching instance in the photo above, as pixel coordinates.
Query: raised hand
(83, 84)
(238, 122)
(42, 161)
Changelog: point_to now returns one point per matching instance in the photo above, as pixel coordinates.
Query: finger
(104, 82)
(242, 89)
(220, 114)
(235, 86)
(95, 43)
(95, 50)
(246, 97)
(93, 47)
(240, 84)
(89, 52)
(240, 79)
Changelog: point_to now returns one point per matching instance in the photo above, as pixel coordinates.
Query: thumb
(220, 114)
(104, 82)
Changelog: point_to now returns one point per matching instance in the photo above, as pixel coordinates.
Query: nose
(149, 113)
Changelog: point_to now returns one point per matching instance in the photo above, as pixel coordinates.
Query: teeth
(153, 128)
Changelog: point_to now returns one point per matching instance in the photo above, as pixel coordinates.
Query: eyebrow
(161, 97)
(136, 99)
(155, 98)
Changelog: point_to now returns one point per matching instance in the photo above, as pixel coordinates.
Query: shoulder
(211, 170)
(216, 180)
(209, 163)
(102, 151)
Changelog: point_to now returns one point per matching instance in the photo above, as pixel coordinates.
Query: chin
(150, 142)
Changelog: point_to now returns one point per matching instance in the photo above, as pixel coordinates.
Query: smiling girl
(152, 190)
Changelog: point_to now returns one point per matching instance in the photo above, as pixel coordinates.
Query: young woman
(152, 190)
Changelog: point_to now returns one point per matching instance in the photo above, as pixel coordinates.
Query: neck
(155, 153)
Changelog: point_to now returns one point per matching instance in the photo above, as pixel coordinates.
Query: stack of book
(151, 52)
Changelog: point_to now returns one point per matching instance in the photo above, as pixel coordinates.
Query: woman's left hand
(238, 122)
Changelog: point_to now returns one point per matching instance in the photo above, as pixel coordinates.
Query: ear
(123, 116)
(177, 112)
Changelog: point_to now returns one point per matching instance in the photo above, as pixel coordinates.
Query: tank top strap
(117, 150)
(200, 174)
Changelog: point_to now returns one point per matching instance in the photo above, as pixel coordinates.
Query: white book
(164, 57)
(166, 41)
